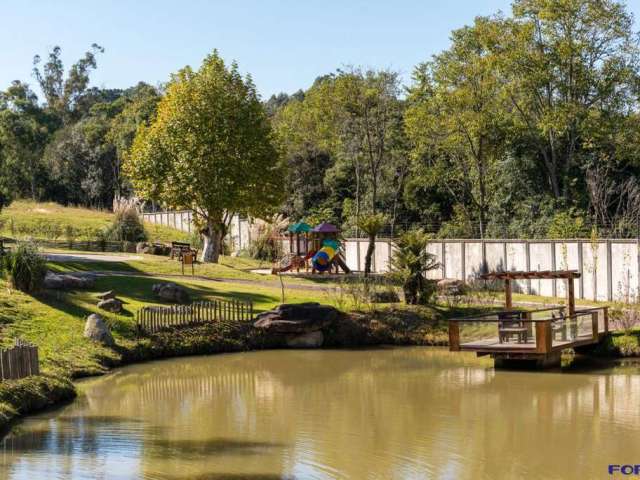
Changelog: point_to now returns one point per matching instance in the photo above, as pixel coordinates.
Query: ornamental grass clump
(127, 227)
(24, 268)
(409, 262)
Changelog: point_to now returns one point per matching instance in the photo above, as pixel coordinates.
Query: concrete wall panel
(435, 248)
(541, 259)
(473, 259)
(495, 256)
(453, 259)
(624, 271)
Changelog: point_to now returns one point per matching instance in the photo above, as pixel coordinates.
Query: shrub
(625, 319)
(70, 234)
(267, 245)
(627, 345)
(25, 268)
(409, 262)
(127, 226)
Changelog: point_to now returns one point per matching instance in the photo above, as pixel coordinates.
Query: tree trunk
(368, 257)
(212, 243)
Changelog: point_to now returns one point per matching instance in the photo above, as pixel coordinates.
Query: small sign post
(187, 259)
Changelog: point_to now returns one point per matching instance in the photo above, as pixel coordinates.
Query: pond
(406, 413)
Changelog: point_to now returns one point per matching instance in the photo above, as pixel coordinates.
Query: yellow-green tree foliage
(210, 149)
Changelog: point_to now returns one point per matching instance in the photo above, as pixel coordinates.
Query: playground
(312, 250)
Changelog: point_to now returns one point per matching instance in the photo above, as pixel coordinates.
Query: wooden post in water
(454, 337)
(571, 301)
(543, 336)
(594, 326)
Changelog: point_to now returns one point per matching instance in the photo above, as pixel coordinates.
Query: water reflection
(386, 413)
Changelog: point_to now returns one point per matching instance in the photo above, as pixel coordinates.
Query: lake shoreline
(39, 393)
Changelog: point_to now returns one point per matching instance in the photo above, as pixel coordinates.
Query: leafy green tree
(138, 106)
(64, 96)
(80, 159)
(24, 132)
(456, 120)
(570, 71)
(210, 149)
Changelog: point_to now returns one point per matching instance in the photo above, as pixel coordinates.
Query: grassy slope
(24, 217)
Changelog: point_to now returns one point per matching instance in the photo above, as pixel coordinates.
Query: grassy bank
(54, 320)
(47, 220)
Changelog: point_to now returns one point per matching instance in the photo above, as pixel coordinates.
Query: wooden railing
(546, 329)
(19, 361)
(153, 318)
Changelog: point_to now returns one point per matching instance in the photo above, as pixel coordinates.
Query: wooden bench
(511, 324)
(180, 248)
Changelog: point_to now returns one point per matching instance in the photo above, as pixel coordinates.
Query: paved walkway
(90, 257)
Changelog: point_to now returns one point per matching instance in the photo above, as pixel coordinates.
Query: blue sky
(285, 45)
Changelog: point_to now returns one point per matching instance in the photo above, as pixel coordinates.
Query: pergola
(568, 275)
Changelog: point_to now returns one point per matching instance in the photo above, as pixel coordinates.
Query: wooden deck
(545, 340)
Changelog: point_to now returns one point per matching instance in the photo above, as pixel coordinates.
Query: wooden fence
(19, 361)
(152, 319)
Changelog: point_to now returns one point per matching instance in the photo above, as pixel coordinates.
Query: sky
(285, 45)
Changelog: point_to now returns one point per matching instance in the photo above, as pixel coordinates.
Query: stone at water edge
(306, 340)
(106, 295)
(112, 305)
(97, 330)
(296, 318)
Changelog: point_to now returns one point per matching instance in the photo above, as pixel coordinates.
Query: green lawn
(47, 220)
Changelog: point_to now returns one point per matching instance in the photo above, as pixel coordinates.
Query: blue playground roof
(299, 227)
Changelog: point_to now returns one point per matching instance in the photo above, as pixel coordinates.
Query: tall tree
(64, 95)
(569, 68)
(24, 131)
(210, 149)
(456, 118)
(137, 107)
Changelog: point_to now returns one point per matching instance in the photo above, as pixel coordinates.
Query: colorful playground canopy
(299, 227)
(325, 227)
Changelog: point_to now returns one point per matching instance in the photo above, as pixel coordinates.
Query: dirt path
(237, 281)
(90, 257)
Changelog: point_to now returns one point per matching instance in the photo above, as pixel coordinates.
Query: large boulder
(112, 305)
(297, 318)
(305, 340)
(68, 281)
(142, 247)
(450, 286)
(106, 295)
(153, 248)
(170, 292)
(97, 330)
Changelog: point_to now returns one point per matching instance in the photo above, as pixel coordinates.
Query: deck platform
(530, 335)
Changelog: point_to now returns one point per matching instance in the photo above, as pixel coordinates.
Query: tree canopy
(527, 125)
(210, 149)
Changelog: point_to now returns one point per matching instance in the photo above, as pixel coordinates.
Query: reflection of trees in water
(397, 413)
(67, 445)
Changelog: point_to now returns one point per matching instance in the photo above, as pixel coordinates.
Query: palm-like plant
(371, 225)
(409, 262)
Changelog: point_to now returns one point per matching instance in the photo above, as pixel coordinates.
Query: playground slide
(323, 258)
(287, 263)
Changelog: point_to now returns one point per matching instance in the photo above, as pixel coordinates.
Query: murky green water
(412, 413)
